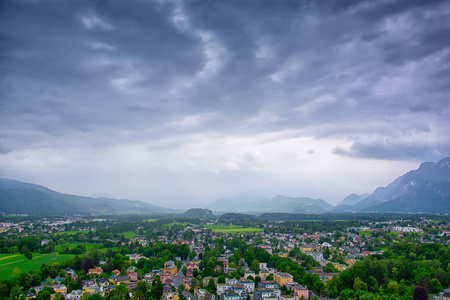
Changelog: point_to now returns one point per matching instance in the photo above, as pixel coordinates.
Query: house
(95, 271)
(74, 295)
(230, 295)
(301, 292)
(120, 279)
(133, 276)
(260, 294)
(170, 296)
(248, 285)
(60, 288)
(200, 294)
(239, 289)
(263, 274)
(283, 278)
(102, 282)
(268, 285)
(87, 282)
(117, 272)
(188, 295)
(29, 295)
(222, 287)
(71, 272)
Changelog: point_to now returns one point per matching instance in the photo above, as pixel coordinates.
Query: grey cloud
(92, 74)
(393, 151)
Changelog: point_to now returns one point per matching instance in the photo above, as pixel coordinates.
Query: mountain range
(18, 197)
(426, 189)
(278, 203)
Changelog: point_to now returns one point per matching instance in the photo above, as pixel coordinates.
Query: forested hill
(18, 197)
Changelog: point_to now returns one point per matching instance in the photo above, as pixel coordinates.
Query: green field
(74, 245)
(72, 232)
(14, 264)
(176, 223)
(129, 234)
(366, 232)
(232, 229)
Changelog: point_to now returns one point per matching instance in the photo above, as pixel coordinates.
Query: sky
(180, 103)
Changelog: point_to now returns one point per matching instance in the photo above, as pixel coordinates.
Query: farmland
(14, 264)
(232, 228)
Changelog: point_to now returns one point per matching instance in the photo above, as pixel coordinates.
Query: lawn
(74, 245)
(176, 223)
(129, 234)
(232, 229)
(366, 232)
(14, 264)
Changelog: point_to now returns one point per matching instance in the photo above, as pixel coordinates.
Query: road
(178, 278)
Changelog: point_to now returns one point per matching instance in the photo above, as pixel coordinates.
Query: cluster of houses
(235, 289)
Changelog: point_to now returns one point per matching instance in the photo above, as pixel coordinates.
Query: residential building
(301, 292)
(230, 295)
(260, 294)
(283, 278)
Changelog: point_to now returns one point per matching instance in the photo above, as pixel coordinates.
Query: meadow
(232, 228)
(129, 234)
(14, 264)
(59, 248)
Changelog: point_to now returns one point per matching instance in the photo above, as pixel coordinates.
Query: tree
(221, 279)
(29, 255)
(359, 285)
(141, 290)
(257, 281)
(255, 266)
(87, 264)
(25, 250)
(96, 297)
(121, 291)
(420, 293)
(211, 287)
(194, 283)
(157, 289)
(95, 255)
(329, 268)
(16, 291)
(346, 294)
(436, 285)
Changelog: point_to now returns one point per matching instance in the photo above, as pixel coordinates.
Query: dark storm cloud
(105, 72)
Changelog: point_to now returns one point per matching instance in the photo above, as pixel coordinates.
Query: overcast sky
(180, 103)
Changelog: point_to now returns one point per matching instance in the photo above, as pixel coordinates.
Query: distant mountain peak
(426, 189)
(17, 197)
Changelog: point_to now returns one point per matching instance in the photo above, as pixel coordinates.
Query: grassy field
(175, 223)
(14, 264)
(366, 232)
(72, 232)
(150, 220)
(232, 229)
(74, 245)
(129, 234)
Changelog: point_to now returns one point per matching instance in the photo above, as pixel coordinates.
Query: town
(234, 257)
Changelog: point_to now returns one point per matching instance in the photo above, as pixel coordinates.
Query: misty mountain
(243, 202)
(278, 203)
(426, 189)
(18, 197)
(352, 199)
